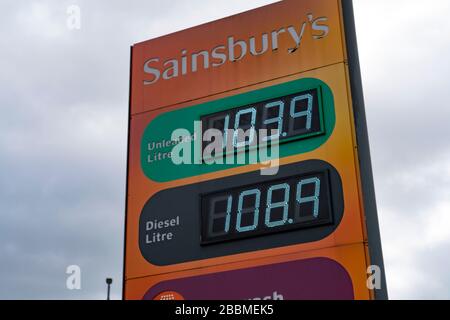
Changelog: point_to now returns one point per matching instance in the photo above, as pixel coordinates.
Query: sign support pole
(362, 136)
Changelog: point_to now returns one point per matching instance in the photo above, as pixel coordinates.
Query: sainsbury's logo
(235, 50)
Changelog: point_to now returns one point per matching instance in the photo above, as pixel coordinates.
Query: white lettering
(216, 54)
(275, 35)
(172, 70)
(296, 37)
(195, 56)
(234, 51)
(265, 45)
(155, 72)
(232, 46)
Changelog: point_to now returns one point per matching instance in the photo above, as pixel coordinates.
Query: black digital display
(293, 203)
(294, 116)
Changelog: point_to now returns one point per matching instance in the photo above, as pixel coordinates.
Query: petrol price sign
(248, 164)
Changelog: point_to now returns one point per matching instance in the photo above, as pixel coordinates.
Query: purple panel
(311, 279)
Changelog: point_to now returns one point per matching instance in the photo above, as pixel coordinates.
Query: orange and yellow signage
(202, 225)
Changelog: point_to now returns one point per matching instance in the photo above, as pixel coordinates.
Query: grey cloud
(64, 95)
(64, 101)
(402, 45)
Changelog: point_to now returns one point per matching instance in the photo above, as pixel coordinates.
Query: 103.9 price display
(294, 116)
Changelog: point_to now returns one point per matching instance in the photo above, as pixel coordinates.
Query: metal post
(108, 282)
(370, 206)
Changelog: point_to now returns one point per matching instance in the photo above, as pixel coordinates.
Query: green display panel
(158, 144)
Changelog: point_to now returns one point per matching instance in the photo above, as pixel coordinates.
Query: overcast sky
(63, 131)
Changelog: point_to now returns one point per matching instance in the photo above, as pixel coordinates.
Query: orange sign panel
(256, 46)
(292, 198)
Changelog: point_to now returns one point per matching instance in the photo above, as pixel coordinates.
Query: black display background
(325, 215)
(292, 127)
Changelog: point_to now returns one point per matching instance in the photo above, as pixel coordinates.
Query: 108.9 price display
(293, 203)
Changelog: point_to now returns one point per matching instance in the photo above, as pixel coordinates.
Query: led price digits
(271, 207)
(297, 115)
